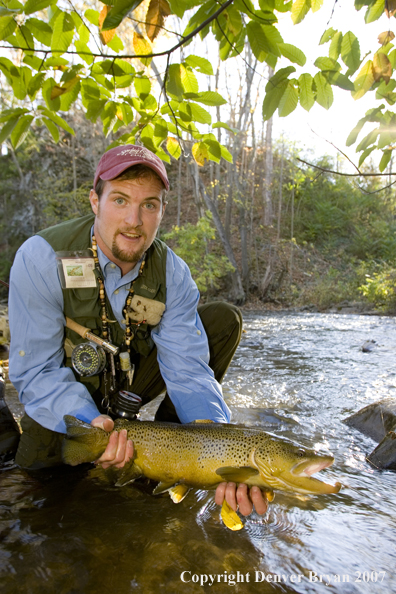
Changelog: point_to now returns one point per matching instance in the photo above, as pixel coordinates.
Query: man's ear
(94, 200)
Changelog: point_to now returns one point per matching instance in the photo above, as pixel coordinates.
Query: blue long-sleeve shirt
(49, 390)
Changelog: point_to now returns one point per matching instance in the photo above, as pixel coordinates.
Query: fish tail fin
(83, 442)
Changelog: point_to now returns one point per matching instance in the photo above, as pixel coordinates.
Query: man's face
(128, 215)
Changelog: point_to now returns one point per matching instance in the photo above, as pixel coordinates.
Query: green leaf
(352, 137)
(350, 51)
(8, 25)
(21, 130)
(324, 92)
(324, 63)
(56, 119)
(307, 98)
(179, 7)
(225, 153)
(68, 98)
(35, 84)
(374, 11)
(200, 114)
(92, 16)
(24, 38)
(292, 53)
(214, 150)
(32, 6)
(278, 77)
(386, 157)
(120, 9)
(300, 10)
(335, 46)
(272, 98)
(225, 126)
(40, 30)
(53, 104)
(142, 86)
(288, 101)
(63, 32)
(52, 129)
(327, 35)
(340, 80)
(174, 84)
(188, 80)
(257, 40)
(316, 5)
(7, 129)
(211, 98)
(116, 44)
(365, 154)
(367, 140)
(198, 63)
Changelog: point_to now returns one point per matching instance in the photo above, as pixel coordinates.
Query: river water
(296, 375)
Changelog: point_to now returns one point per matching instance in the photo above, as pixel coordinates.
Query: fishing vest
(83, 304)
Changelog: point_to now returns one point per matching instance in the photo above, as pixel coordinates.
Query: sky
(312, 129)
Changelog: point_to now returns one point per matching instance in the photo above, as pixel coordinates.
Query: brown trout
(202, 455)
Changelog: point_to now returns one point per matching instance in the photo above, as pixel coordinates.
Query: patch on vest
(143, 310)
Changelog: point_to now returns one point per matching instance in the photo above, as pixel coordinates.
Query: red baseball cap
(117, 159)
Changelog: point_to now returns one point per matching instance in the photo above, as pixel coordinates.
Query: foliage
(192, 244)
(68, 55)
(328, 289)
(379, 287)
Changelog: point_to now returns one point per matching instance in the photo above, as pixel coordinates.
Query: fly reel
(88, 359)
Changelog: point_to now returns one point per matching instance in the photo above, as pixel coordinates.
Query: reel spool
(88, 359)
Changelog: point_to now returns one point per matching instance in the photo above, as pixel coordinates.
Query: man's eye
(119, 200)
(149, 206)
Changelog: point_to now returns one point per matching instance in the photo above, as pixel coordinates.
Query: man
(108, 272)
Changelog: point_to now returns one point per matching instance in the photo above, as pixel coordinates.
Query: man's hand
(119, 449)
(240, 497)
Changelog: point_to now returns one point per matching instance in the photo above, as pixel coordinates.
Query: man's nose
(133, 216)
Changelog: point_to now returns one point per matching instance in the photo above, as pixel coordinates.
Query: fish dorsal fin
(237, 474)
(202, 421)
(178, 492)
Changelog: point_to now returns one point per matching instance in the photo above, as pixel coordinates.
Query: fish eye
(301, 453)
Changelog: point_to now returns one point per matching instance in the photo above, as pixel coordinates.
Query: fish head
(286, 466)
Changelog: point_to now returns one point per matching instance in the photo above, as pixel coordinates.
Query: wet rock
(368, 346)
(378, 421)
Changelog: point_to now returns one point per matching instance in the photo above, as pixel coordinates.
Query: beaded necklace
(129, 334)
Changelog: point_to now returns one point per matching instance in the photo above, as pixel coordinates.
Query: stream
(297, 375)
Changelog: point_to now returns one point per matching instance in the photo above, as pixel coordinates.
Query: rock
(378, 421)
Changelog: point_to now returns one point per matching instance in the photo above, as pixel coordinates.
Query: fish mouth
(309, 467)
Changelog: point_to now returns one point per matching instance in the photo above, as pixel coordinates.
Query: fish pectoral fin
(128, 474)
(162, 487)
(178, 492)
(230, 518)
(237, 474)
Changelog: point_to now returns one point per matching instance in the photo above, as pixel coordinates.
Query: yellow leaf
(385, 37)
(364, 80)
(59, 90)
(141, 47)
(200, 153)
(173, 147)
(382, 68)
(105, 36)
(157, 12)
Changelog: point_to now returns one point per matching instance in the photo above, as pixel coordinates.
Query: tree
(64, 54)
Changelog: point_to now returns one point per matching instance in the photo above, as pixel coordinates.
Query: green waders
(41, 448)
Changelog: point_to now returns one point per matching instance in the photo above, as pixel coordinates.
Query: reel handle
(86, 333)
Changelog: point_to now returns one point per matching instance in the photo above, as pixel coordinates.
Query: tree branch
(359, 174)
(134, 56)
